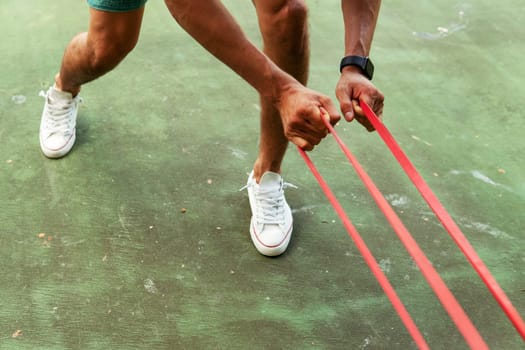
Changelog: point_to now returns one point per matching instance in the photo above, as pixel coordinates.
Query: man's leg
(284, 28)
(110, 37)
(283, 25)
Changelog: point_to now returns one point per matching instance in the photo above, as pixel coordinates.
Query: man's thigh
(116, 5)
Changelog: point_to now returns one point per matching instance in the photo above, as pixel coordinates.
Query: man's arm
(360, 18)
(211, 24)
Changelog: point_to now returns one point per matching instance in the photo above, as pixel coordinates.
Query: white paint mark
(366, 342)
(66, 243)
(122, 220)
(18, 99)
(413, 265)
(486, 228)
(420, 140)
(385, 265)
(150, 287)
(237, 153)
(442, 32)
(478, 175)
(397, 200)
(305, 209)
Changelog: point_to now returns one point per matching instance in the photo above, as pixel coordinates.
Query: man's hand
(300, 110)
(353, 87)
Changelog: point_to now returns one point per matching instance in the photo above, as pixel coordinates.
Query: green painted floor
(139, 238)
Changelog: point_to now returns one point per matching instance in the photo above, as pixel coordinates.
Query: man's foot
(57, 128)
(271, 223)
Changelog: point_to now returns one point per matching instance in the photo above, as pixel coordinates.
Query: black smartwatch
(367, 68)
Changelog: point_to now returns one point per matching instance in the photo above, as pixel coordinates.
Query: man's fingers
(332, 116)
(303, 119)
(375, 102)
(345, 103)
(357, 108)
(348, 110)
(306, 136)
(360, 116)
(324, 114)
(301, 143)
(308, 131)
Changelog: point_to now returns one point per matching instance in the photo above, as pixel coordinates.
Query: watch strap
(367, 68)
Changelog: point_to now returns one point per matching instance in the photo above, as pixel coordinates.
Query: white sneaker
(271, 223)
(57, 128)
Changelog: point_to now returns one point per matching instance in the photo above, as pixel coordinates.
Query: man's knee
(296, 11)
(104, 56)
(283, 21)
(111, 36)
(283, 12)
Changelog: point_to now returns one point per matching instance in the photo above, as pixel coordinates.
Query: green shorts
(116, 5)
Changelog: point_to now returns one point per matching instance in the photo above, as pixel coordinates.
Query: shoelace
(59, 115)
(270, 207)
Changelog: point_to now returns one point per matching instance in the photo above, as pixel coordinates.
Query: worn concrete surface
(120, 265)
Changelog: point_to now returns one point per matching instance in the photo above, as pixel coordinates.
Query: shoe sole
(275, 250)
(60, 152)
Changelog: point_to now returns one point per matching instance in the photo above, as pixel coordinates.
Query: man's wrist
(280, 83)
(352, 69)
(362, 63)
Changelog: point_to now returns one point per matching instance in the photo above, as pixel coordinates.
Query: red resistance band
(447, 299)
(446, 220)
(368, 257)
